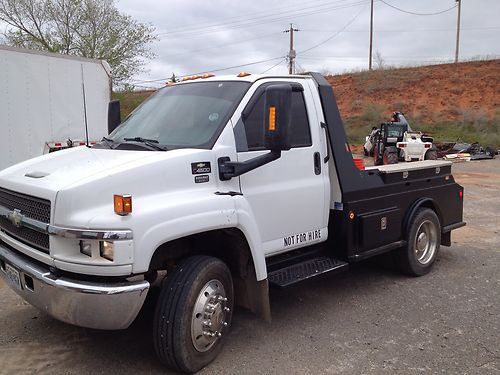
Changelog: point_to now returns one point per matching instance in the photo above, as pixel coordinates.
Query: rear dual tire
(423, 242)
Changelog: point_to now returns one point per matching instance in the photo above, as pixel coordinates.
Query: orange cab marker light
(272, 118)
(243, 74)
(207, 75)
(123, 204)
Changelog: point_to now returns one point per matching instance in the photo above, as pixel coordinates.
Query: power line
(300, 67)
(399, 58)
(257, 62)
(272, 67)
(259, 20)
(224, 45)
(244, 18)
(212, 70)
(402, 31)
(334, 35)
(418, 14)
(237, 24)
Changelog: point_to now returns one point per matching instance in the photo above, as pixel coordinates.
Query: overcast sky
(200, 36)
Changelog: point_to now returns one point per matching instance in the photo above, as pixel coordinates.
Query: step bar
(294, 273)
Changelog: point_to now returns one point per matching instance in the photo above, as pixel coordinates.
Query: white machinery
(42, 106)
(416, 147)
(370, 142)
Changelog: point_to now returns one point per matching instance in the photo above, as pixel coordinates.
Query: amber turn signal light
(123, 204)
(272, 119)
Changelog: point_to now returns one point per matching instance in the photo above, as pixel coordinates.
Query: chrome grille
(32, 207)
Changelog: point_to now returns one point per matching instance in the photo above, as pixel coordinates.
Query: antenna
(85, 112)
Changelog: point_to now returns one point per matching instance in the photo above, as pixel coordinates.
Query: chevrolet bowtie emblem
(200, 165)
(15, 217)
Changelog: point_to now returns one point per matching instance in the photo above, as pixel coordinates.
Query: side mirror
(114, 116)
(277, 117)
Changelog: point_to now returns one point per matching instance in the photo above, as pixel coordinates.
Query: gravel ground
(368, 320)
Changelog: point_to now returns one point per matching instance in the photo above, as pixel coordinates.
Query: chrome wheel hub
(209, 315)
(426, 242)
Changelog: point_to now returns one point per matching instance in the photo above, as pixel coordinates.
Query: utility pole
(458, 30)
(371, 37)
(291, 53)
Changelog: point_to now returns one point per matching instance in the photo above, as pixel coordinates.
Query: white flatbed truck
(210, 192)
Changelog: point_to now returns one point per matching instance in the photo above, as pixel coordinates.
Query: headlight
(106, 250)
(89, 248)
(86, 248)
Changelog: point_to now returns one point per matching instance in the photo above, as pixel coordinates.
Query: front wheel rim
(210, 316)
(425, 242)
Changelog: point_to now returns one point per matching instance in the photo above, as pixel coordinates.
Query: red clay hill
(434, 93)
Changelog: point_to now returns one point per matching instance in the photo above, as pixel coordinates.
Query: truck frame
(214, 225)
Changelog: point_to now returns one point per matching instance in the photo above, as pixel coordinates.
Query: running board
(295, 273)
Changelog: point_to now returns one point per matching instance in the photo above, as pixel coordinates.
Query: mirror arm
(229, 169)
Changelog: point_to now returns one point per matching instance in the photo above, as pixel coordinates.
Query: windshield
(395, 131)
(188, 115)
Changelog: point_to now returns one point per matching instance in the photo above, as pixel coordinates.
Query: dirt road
(368, 320)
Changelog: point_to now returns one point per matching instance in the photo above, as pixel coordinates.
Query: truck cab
(212, 190)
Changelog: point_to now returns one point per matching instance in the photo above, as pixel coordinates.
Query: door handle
(327, 133)
(317, 163)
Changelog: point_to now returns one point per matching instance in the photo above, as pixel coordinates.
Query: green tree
(89, 28)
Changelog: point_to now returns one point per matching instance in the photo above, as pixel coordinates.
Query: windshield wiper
(151, 143)
(109, 142)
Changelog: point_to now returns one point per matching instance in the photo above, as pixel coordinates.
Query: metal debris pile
(460, 151)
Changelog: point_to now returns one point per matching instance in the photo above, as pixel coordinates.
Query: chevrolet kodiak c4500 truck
(210, 192)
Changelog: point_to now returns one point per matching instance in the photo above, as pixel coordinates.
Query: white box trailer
(41, 102)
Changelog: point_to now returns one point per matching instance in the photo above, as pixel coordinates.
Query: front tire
(390, 157)
(193, 313)
(376, 159)
(424, 240)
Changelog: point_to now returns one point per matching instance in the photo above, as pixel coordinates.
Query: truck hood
(46, 175)
(49, 174)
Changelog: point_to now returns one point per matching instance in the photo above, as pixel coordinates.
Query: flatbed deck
(411, 166)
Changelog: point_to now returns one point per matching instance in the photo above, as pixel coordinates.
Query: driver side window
(249, 133)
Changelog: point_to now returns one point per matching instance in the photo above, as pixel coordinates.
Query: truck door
(289, 196)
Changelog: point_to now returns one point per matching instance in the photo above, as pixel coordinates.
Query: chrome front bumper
(87, 304)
